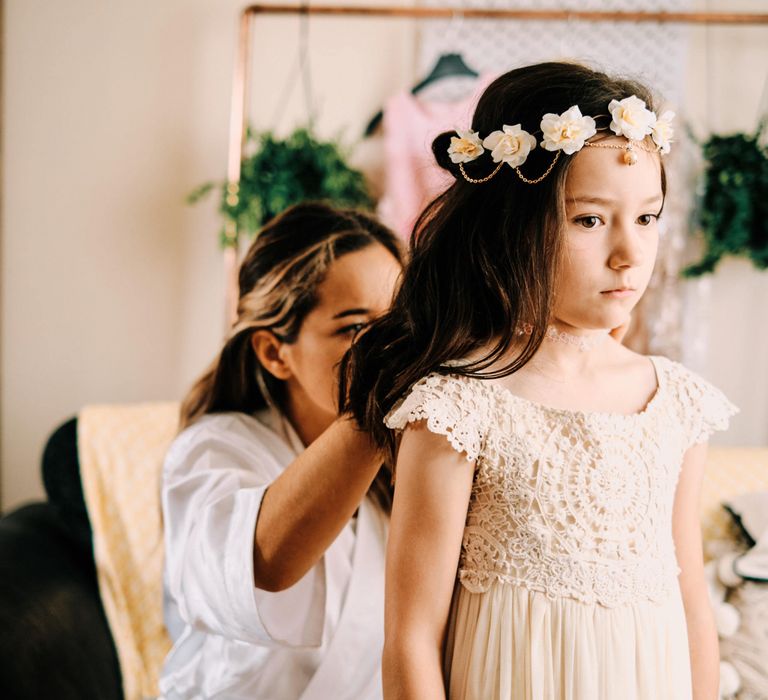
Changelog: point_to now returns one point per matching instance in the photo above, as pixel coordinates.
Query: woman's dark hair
(483, 257)
(278, 281)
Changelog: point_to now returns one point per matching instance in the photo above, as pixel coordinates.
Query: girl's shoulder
(701, 407)
(452, 405)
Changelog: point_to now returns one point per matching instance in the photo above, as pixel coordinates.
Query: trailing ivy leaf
(198, 193)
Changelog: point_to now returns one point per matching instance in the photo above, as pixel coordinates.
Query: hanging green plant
(284, 172)
(734, 210)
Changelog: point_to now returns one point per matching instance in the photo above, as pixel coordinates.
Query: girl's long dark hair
(279, 279)
(483, 257)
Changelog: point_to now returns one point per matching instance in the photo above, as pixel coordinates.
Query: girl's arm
(686, 528)
(307, 506)
(430, 508)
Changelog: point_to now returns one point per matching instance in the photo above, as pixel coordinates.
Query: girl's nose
(626, 247)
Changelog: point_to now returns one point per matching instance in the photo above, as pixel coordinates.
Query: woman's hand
(620, 332)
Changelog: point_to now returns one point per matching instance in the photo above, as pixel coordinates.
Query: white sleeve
(704, 408)
(213, 484)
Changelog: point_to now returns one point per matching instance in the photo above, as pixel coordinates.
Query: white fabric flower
(465, 147)
(512, 145)
(663, 132)
(631, 118)
(567, 131)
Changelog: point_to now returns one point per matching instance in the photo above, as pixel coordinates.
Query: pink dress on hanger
(412, 177)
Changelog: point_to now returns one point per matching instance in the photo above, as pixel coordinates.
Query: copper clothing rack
(241, 73)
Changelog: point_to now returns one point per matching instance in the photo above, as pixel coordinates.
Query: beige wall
(113, 111)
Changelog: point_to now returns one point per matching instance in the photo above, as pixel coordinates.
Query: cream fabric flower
(663, 132)
(512, 145)
(567, 131)
(631, 118)
(465, 147)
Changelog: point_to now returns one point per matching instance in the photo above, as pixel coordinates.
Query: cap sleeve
(705, 408)
(450, 405)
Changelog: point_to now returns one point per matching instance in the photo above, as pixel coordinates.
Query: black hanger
(449, 65)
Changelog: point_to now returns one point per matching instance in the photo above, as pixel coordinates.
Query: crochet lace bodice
(565, 502)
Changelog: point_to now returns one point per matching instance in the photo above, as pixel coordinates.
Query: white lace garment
(566, 502)
(567, 568)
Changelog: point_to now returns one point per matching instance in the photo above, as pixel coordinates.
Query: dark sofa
(55, 642)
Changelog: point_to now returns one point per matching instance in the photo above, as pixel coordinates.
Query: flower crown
(567, 132)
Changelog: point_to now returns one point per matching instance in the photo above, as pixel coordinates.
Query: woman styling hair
(275, 509)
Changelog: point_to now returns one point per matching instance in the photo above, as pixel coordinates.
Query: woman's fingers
(620, 331)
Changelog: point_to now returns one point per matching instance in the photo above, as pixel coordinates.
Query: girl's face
(358, 287)
(611, 236)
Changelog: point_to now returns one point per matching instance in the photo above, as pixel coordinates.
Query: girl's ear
(269, 352)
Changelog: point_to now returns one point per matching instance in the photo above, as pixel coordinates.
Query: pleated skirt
(511, 643)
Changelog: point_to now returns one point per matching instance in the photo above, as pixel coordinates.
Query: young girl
(544, 539)
(274, 554)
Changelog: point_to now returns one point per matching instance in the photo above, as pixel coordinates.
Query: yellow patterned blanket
(121, 450)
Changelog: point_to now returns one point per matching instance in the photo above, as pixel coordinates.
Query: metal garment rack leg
(237, 122)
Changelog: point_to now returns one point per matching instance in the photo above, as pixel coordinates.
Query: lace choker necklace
(582, 343)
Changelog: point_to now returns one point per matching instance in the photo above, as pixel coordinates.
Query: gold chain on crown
(479, 180)
(538, 179)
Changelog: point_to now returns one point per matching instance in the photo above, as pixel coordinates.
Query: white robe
(319, 639)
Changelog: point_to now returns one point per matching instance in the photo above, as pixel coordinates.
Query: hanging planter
(733, 214)
(284, 172)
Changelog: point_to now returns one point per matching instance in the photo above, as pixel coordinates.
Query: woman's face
(358, 287)
(611, 236)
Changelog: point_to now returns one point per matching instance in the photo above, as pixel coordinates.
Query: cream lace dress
(567, 582)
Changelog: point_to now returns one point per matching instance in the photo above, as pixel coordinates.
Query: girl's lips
(622, 293)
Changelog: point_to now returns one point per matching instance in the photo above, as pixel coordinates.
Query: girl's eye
(646, 219)
(352, 329)
(588, 221)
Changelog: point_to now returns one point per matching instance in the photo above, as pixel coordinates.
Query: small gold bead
(630, 157)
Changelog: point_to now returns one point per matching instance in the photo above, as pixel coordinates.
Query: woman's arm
(428, 516)
(307, 506)
(686, 528)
